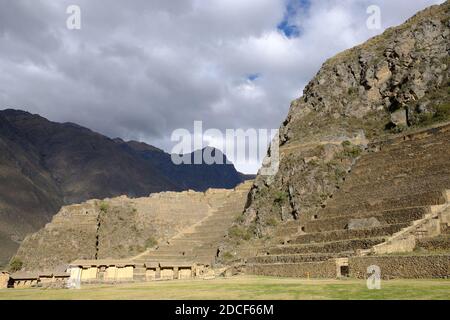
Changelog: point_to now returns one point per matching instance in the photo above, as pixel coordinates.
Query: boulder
(399, 118)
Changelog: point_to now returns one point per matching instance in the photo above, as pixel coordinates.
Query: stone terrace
(390, 188)
(198, 245)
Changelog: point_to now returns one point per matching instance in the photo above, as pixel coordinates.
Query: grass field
(252, 288)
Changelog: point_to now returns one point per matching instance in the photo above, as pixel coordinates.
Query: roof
(24, 276)
(176, 264)
(102, 263)
(53, 274)
(151, 264)
(61, 274)
(48, 274)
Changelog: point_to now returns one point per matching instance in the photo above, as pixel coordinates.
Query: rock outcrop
(394, 83)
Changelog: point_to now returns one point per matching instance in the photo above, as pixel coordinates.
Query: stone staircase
(197, 244)
(396, 188)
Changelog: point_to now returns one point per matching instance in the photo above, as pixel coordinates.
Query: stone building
(114, 271)
(24, 279)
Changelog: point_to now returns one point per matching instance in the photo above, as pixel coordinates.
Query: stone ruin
(190, 254)
(393, 212)
(396, 199)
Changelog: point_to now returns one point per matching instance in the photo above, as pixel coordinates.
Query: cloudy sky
(140, 69)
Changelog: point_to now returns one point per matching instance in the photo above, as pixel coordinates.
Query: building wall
(184, 273)
(125, 274)
(167, 274)
(25, 283)
(4, 280)
(89, 274)
(110, 274)
(47, 279)
(150, 274)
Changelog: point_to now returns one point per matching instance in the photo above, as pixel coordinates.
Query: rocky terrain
(45, 165)
(395, 83)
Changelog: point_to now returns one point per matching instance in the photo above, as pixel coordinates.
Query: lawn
(246, 287)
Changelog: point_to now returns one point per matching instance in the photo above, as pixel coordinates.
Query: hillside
(395, 83)
(121, 227)
(45, 165)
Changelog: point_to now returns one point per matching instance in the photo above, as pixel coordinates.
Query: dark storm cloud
(140, 69)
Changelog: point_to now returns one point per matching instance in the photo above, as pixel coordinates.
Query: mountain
(395, 83)
(45, 165)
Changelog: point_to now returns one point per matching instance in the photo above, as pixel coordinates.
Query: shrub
(227, 255)
(272, 222)
(339, 173)
(442, 112)
(240, 219)
(240, 233)
(426, 119)
(104, 207)
(350, 150)
(151, 242)
(346, 144)
(281, 196)
(15, 265)
(352, 91)
(399, 129)
(235, 232)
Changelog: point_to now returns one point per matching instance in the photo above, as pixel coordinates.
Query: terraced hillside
(122, 227)
(199, 243)
(395, 82)
(395, 199)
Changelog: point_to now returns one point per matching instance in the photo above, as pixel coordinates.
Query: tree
(15, 265)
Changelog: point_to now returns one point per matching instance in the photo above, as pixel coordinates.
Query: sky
(141, 69)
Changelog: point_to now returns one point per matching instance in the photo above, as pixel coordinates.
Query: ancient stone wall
(70, 235)
(411, 267)
(323, 269)
(434, 244)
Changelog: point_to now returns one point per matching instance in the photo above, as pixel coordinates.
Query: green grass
(248, 287)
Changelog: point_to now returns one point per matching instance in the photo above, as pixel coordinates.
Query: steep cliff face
(395, 82)
(116, 228)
